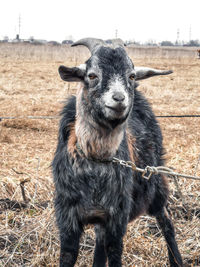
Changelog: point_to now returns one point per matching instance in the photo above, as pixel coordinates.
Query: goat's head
(109, 78)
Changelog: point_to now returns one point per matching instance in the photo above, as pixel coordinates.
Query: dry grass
(29, 85)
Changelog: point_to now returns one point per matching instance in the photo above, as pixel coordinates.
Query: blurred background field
(30, 86)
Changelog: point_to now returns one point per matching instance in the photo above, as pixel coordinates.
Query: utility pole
(177, 36)
(19, 27)
(190, 33)
(116, 33)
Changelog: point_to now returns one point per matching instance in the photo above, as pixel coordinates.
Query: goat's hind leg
(167, 227)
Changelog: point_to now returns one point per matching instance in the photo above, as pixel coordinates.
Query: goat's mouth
(119, 109)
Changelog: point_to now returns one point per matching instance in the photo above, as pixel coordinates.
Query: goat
(108, 118)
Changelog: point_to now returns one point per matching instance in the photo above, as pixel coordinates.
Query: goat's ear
(144, 73)
(74, 74)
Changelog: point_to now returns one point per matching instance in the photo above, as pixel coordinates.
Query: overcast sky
(140, 20)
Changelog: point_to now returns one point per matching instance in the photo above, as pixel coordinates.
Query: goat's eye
(132, 76)
(92, 76)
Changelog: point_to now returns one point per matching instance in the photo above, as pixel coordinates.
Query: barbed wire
(57, 117)
(178, 116)
(30, 117)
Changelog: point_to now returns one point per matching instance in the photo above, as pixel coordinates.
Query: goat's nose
(118, 97)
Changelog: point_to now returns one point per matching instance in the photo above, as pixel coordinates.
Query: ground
(30, 86)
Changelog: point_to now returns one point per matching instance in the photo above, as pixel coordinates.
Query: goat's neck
(94, 140)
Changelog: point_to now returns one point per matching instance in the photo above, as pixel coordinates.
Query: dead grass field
(30, 85)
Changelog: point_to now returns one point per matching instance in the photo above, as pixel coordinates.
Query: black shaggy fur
(106, 194)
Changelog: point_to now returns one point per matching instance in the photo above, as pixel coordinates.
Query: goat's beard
(110, 121)
(96, 139)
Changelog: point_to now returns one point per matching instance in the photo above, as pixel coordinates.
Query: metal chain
(149, 170)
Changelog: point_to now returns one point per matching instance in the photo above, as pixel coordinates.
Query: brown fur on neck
(95, 141)
(131, 145)
(72, 140)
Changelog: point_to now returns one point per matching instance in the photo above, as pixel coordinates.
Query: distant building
(109, 41)
(5, 39)
(67, 42)
(53, 43)
(38, 41)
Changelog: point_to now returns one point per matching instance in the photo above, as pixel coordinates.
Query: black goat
(108, 118)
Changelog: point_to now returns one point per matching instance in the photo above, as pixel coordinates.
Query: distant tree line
(32, 40)
(191, 43)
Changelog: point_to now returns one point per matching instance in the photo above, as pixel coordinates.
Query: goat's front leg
(167, 227)
(114, 246)
(70, 230)
(99, 253)
(69, 247)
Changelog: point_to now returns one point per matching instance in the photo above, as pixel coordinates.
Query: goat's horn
(90, 43)
(117, 42)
